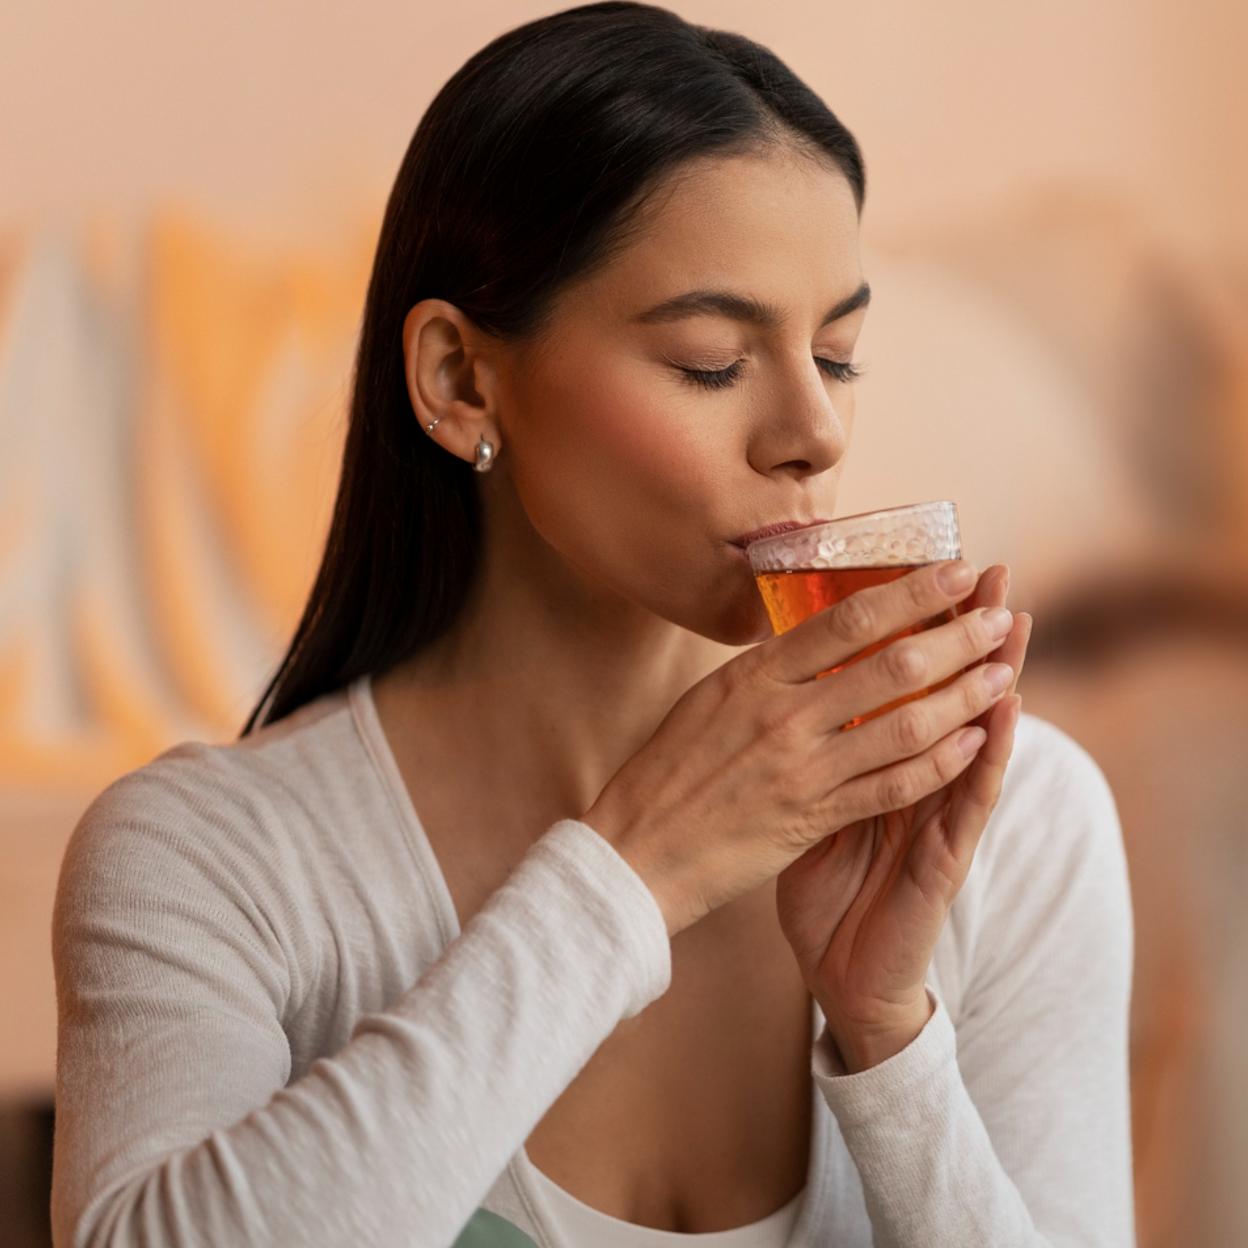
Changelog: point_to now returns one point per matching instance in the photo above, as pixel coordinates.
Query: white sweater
(271, 1030)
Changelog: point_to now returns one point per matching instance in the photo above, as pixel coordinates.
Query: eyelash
(726, 376)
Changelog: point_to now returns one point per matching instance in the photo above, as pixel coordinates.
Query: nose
(805, 431)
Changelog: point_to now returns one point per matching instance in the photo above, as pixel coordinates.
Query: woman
(545, 902)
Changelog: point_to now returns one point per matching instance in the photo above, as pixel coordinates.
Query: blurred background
(1056, 233)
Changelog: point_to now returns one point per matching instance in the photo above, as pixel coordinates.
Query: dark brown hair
(527, 171)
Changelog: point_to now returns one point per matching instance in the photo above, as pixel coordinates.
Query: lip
(771, 530)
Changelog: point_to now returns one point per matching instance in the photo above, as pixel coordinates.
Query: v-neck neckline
(521, 1167)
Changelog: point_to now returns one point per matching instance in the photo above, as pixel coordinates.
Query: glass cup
(805, 570)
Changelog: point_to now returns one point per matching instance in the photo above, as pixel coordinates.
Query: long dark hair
(527, 171)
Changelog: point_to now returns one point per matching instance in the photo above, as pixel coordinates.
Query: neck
(556, 685)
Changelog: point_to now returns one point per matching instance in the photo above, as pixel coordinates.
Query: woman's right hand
(749, 768)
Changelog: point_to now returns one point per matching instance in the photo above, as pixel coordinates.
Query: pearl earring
(485, 450)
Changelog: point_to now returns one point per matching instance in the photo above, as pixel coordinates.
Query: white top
(583, 1224)
(272, 1031)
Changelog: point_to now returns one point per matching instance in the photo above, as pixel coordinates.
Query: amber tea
(791, 596)
(806, 570)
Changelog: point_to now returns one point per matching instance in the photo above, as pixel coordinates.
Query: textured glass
(919, 533)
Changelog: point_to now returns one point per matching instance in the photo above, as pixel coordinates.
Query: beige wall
(244, 107)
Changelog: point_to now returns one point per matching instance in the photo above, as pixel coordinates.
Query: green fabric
(488, 1230)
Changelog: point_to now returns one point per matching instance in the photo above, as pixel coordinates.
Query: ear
(450, 377)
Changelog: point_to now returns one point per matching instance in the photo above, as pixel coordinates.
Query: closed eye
(840, 370)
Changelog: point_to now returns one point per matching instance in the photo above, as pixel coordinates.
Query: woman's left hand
(862, 908)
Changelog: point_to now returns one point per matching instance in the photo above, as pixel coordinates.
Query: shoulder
(1047, 759)
(230, 825)
(1056, 806)
(219, 789)
(1050, 871)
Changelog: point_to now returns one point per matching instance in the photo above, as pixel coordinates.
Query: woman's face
(638, 473)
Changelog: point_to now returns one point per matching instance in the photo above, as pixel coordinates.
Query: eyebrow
(741, 308)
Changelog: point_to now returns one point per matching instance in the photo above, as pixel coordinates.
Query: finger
(862, 622)
(1013, 650)
(987, 589)
(981, 785)
(994, 594)
(1001, 584)
(912, 728)
(900, 784)
(1028, 624)
(991, 592)
(925, 663)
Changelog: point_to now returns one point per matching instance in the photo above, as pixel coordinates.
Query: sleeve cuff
(624, 902)
(889, 1086)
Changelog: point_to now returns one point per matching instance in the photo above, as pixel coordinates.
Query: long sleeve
(1014, 1131)
(175, 1121)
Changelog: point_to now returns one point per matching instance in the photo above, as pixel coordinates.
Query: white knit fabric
(272, 1032)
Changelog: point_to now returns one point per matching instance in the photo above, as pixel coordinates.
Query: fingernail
(998, 621)
(969, 740)
(953, 578)
(997, 676)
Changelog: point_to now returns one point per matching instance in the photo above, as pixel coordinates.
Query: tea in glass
(806, 570)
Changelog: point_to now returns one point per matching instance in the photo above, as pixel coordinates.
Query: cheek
(626, 444)
(657, 447)
(631, 480)
(630, 477)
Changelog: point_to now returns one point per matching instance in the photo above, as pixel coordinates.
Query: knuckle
(941, 769)
(921, 591)
(807, 827)
(896, 790)
(905, 663)
(986, 635)
(974, 695)
(949, 766)
(738, 674)
(843, 805)
(852, 619)
(749, 675)
(973, 632)
(972, 699)
(911, 727)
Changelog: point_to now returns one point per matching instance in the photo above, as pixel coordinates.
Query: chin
(746, 625)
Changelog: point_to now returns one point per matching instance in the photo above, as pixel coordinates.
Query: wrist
(663, 877)
(862, 1045)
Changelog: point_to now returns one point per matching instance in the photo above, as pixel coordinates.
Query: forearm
(177, 1122)
(929, 1173)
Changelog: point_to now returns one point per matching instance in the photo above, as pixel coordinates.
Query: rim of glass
(781, 541)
